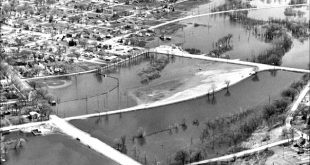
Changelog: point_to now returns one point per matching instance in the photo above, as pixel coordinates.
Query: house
(34, 115)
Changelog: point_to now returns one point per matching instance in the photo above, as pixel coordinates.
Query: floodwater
(298, 56)
(278, 12)
(212, 28)
(161, 146)
(177, 75)
(245, 44)
(55, 149)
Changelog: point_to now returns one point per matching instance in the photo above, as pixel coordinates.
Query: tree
(45, 110)
(42, 93)
(196, 156)
(181, 156)
(36, 69)
(227, 82)
(34, 97)
(120, 144)
(268, 111)
(281, 105)
(255, 77)
(213, 87)
(290, 92)
(297, 85)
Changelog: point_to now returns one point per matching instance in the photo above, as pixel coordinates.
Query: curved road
(221, 12)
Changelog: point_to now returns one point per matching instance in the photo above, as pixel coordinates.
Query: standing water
(159, 144)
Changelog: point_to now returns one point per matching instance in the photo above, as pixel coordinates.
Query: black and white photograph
(154, 82)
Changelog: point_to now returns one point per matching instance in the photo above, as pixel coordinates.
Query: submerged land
(154, 82)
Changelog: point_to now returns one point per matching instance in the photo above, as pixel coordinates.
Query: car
(300, 151)
(52, 102)
(36, 132)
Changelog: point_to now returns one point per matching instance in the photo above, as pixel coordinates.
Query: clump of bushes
(193, 50)
(282, 43)
(153, 69)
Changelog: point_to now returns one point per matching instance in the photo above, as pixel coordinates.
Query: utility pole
(98, 103)
(86, 105)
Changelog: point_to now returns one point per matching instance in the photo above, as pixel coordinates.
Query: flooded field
(54, 150)
(159, 144)
(124, 87)
(201, 33)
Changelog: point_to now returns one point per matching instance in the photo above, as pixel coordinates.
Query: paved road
(294, 107)
(57, 76)
(260, 67)
(23, 126)
(220, 12)
(243, 153)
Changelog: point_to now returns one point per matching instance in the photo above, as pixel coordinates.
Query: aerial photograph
(154, 82)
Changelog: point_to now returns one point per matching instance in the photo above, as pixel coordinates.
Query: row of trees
(232, 4)
(221, 132)
(298, 29)
(222, 45)
(229, 131)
